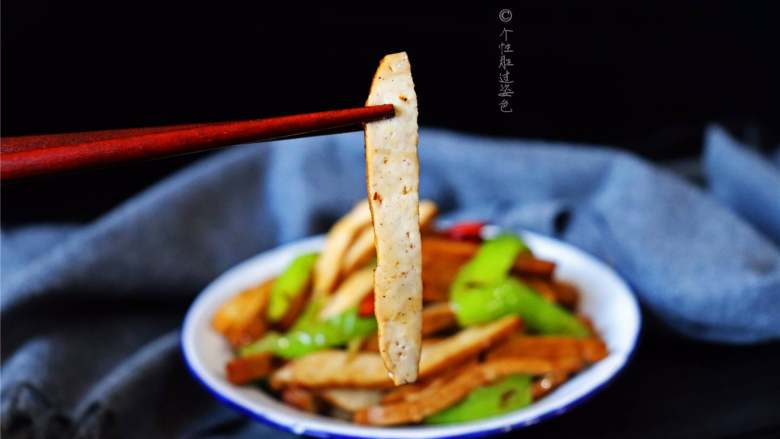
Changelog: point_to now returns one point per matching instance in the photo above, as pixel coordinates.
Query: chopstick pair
(26, 156)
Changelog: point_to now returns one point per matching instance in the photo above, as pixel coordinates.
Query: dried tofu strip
(243, 370)
(352, 400)
(240, 319)
(301, 399)
(362, 249)
(589, 350)
(438, 317)
(548, 383)
(400, 393)
(392, 180)
(428, 212)
(437, 396)
(425, 402)
(360, 252)
(466, 343)
(332, 368)
(340, 236)
(354, 288)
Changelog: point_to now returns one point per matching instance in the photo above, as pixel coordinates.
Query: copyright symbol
(505, 15)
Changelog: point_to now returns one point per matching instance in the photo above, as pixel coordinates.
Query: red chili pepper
(466, 231)
(366, 307)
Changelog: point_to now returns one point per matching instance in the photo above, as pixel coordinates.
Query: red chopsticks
(36, 155)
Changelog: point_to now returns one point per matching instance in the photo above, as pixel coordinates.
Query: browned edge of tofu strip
(337, 368)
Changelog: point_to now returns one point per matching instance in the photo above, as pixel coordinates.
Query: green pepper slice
(289, 285)
(511, 393)
(491, 264)
(513, 297)
(314, 336)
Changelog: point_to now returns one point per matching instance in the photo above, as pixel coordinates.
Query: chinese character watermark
(505, 82)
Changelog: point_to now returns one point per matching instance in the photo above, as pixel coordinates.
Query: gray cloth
(90, 312)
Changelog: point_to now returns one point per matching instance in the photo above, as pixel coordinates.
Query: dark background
(647, 79)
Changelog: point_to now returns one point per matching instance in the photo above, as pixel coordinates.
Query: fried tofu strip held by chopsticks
(392, 180)
(332, 368)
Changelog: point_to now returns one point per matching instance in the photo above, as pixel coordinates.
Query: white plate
(605, 298)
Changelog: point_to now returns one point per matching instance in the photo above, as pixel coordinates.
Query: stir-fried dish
(498, 330)
(394, 322)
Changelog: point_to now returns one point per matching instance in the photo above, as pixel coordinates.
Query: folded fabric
(91, 301)
(744, 181)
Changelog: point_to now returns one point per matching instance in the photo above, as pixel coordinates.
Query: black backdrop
(645, 78)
